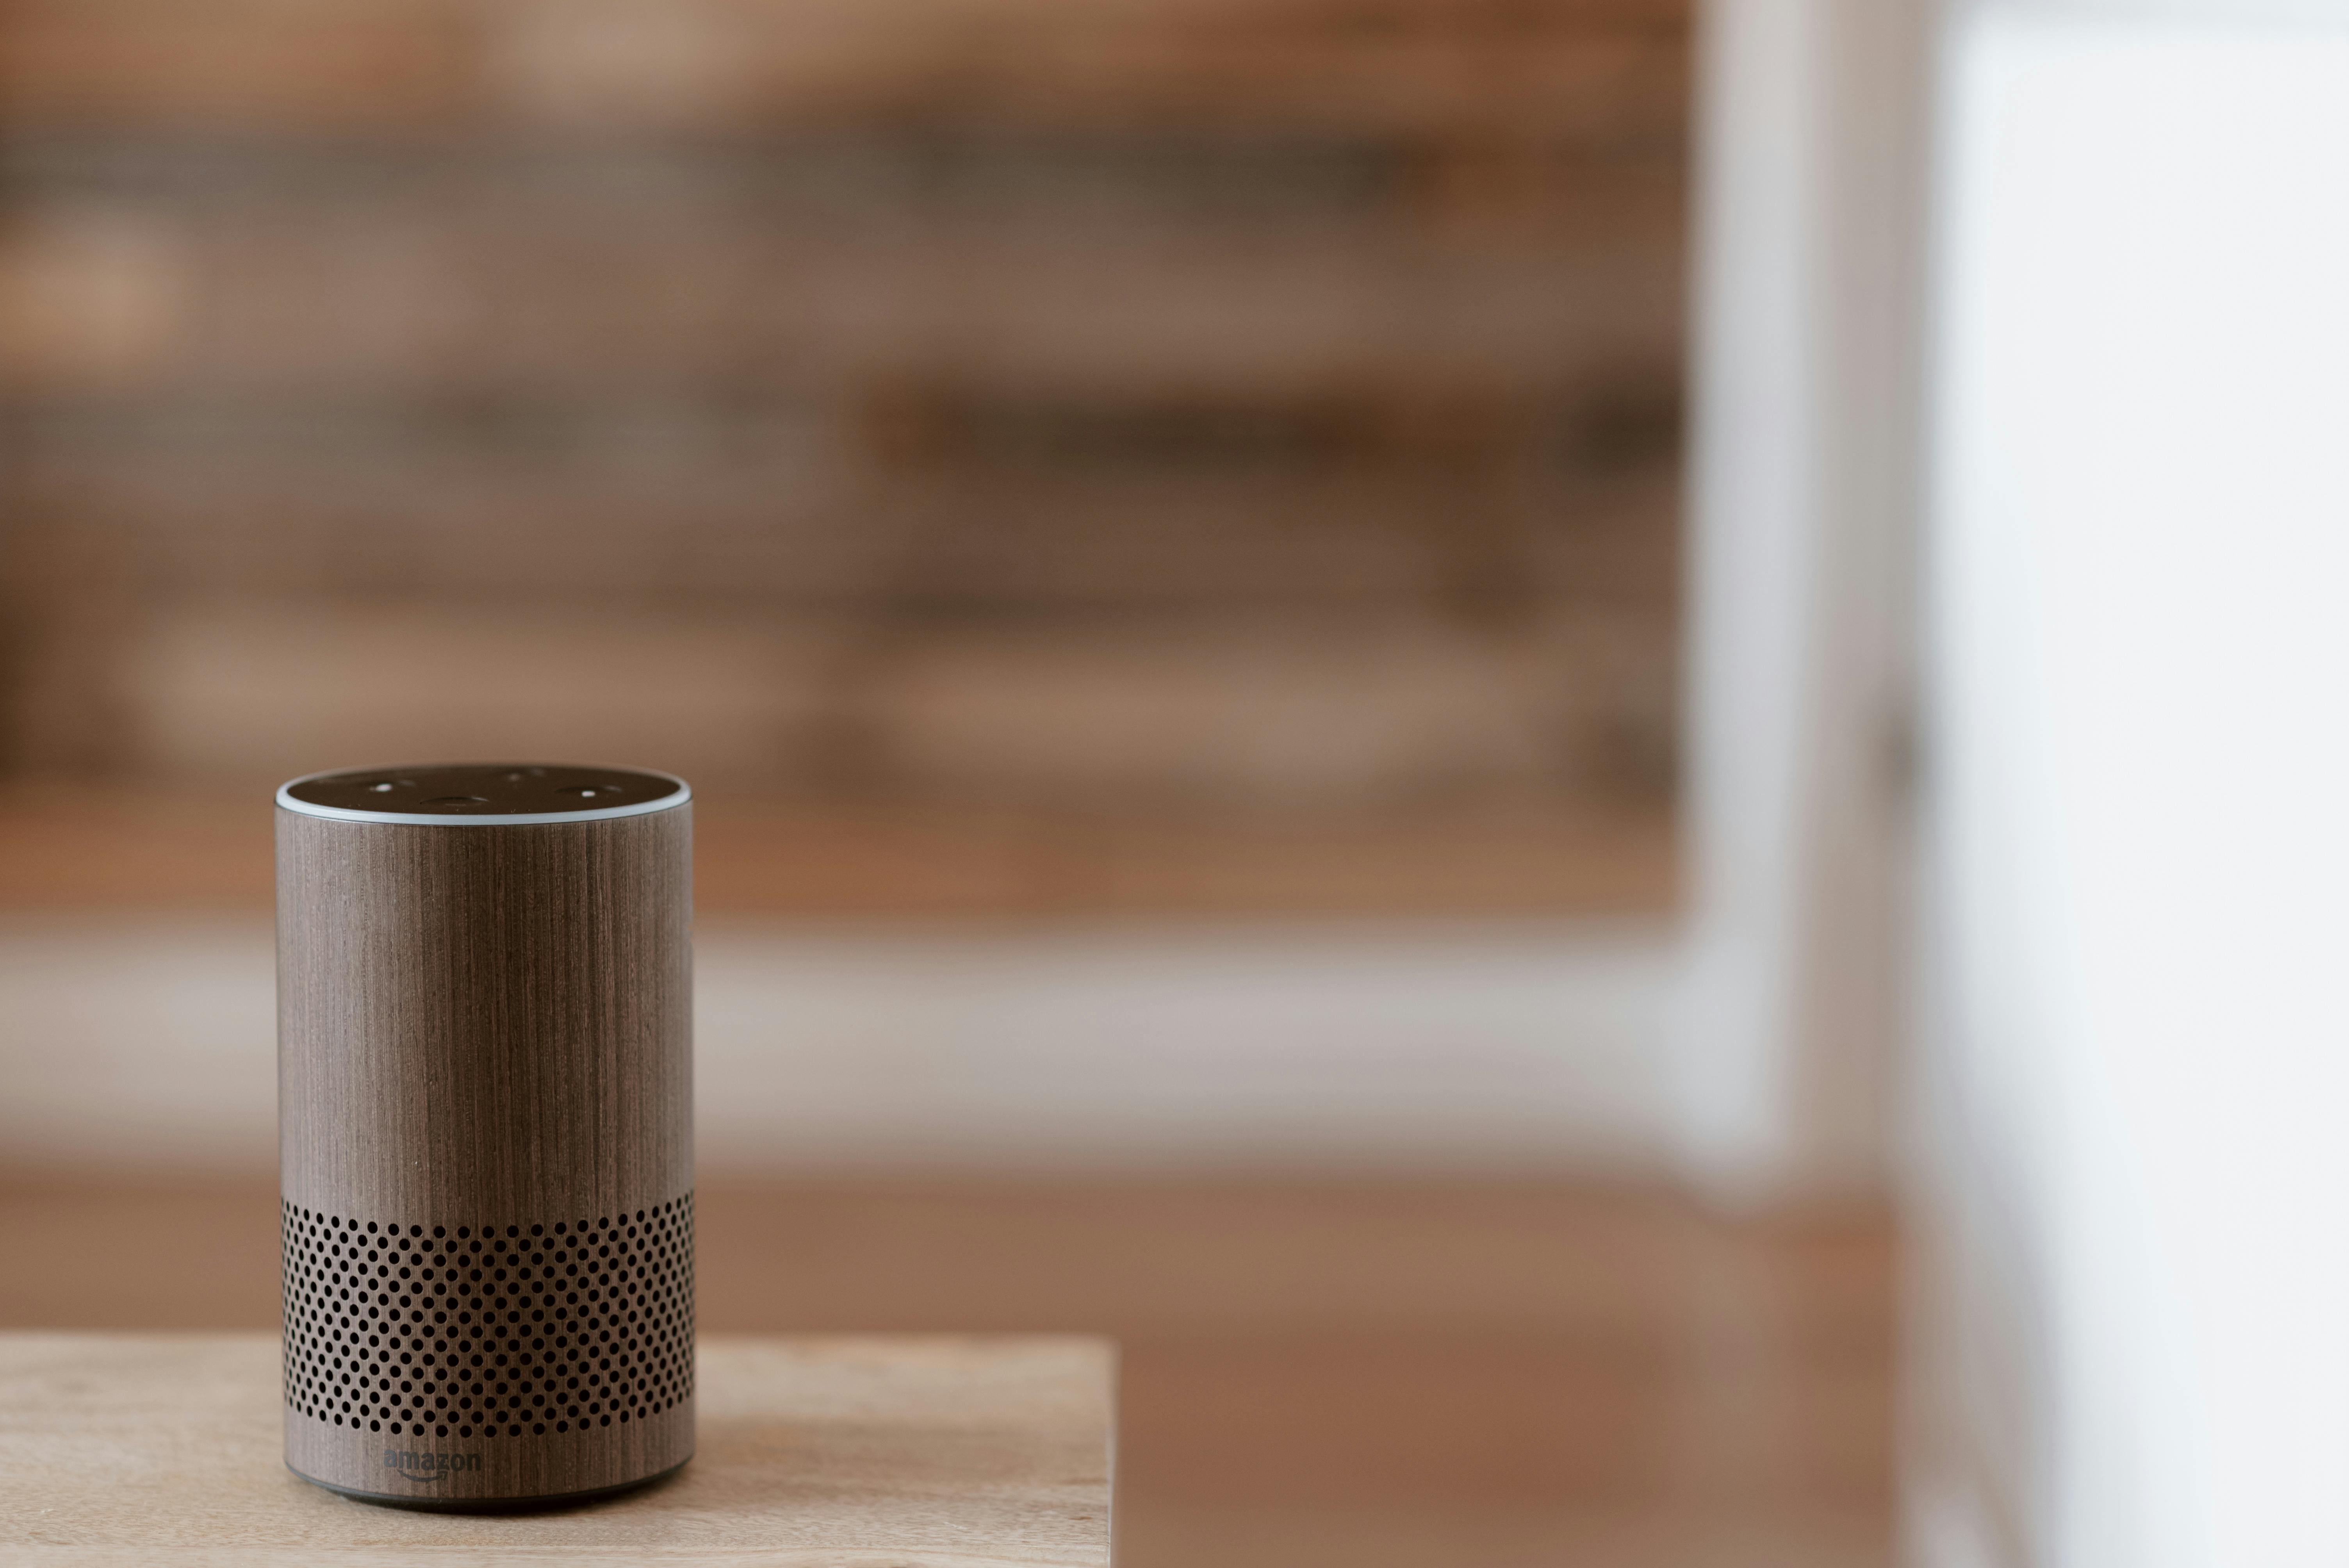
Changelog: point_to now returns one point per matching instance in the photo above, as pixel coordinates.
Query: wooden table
(880, 1452)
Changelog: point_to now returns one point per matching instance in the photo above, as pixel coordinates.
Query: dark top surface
(486, 789)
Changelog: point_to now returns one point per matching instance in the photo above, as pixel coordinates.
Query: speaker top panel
(504, 794)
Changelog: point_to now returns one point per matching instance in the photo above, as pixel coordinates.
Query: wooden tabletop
(836, 1452)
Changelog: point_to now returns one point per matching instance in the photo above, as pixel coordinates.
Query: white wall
(2134, 1347)
(1519, 1046)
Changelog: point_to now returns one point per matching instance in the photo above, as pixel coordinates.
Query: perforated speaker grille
(520, 1330)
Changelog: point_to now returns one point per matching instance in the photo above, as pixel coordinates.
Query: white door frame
(1810, 136)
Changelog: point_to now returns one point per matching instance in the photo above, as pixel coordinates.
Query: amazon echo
(485, 1131)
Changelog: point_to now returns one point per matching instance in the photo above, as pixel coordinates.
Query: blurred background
(1177, 411)
(1154, 530)
(1296, 626)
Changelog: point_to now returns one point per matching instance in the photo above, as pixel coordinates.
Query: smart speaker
(485, 1131)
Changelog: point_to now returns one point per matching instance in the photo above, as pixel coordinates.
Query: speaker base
(492, 1504)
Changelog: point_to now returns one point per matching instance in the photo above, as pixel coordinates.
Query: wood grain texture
(481, 1027)
(816, 1453)
(140, 848)
(1368, 1372)
(506, 1011)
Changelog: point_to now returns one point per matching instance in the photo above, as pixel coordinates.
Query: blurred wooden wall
(1259, 405)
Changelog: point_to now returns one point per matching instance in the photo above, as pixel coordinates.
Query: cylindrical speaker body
(484, 995)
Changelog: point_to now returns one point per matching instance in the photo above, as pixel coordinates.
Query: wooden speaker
(485, 1131)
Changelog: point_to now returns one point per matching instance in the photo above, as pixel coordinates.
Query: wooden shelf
(815, 1452)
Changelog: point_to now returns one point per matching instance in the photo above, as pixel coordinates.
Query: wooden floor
(1366, 1375)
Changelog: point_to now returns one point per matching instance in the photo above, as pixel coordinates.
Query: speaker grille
(527, 1329)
